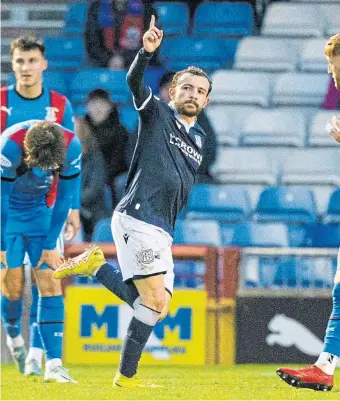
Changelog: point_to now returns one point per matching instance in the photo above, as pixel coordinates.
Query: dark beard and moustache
(180, 107)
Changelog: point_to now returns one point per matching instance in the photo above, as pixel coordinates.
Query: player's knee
(154, 300)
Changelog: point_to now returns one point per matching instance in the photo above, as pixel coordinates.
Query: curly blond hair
(332, 47)
(44, 146)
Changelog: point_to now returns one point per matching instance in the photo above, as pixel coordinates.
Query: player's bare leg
(12, 286)
(51, 325)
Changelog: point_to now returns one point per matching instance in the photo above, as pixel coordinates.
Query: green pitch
(242, 382)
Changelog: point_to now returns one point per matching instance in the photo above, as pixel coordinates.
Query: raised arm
(152, 39)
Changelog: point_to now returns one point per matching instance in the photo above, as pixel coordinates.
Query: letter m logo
(182, 321)
(90, 317)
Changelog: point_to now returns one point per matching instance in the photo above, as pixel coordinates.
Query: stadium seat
(54, 80)
(215, 202)
(113, 81)
(223, 18)
(226, 121)
(326, 236)
(102, 231)
(300, 235)
(173, 17)
(129, 118)
(273, 127)
(75, 19)
(249, 272)
(152, 76)
(266, 54)
(295, 20)
(189, 274)
(64, 53)
(243, 166)
(312, 58)
(237, 87)
(108, 198)
(333, 210)
(293, 88)
(260, 235)
(311, 167)
(319, 136)
(207, 53)
(196, 232)
(331, 14)
(286, 204)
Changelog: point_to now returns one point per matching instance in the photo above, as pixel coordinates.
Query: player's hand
(335, 129)
(152, 38)
(3, 259)
(52, 258)
(72, 224)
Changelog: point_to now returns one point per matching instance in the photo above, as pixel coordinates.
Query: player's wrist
(146, 53)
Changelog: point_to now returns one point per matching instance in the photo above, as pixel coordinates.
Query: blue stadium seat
(188, 273)
(260, 235)
(224, 18)
(64, 53)
(173, 17)
(152, 77)
(206, 232)
(326, 236)
(108, 198)
(300, 235)
(286, 204)
(207, 53)
(113, 81)
(129, 118)
(102, 231)
(75, 19)
(52, 80)
(333, 210)
(223, 203)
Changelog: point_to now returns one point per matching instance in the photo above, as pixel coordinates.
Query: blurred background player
(30, 99)
(320, 375)
(166, 159)
(40, 162)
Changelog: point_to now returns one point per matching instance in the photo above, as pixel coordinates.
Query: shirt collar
(187, 126)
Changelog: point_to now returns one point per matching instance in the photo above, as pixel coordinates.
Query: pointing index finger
(152, 22)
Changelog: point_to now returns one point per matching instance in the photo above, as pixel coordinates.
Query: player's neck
(30, 92)
(189, 120)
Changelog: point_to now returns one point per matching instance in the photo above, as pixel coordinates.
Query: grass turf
(241, 382)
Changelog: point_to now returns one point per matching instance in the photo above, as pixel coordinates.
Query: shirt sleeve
(10, 158)
(142, 94)
(68, 120)
(66, 191)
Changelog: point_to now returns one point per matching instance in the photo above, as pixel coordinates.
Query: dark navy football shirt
(167, 155)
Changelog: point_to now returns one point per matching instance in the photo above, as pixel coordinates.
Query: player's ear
(45, 65)
(207, 100)
(172, 93)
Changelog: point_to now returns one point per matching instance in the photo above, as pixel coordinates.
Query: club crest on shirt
(198, 141)
(4, 161)
(51, 114)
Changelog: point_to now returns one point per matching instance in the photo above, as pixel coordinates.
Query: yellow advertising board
(96, 324)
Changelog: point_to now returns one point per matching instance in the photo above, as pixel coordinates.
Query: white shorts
(143, 250)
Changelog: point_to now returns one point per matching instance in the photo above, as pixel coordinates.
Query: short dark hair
(98, 93)
(26, 43)
(44, 146)
(194, 71)
(166, 79)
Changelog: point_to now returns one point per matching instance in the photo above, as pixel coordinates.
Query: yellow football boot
(84, 264)
(131, 382)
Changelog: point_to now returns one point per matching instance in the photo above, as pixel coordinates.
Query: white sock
(327, 362)
(15, 342)
(52, 364)
(36, 354)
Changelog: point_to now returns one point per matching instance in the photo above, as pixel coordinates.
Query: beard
(182, 108)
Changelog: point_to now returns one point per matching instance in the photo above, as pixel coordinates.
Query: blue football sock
(51, 325)
(11, 316)
(112, 279)
(138, 333)
(332, 339)
(35, 340)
